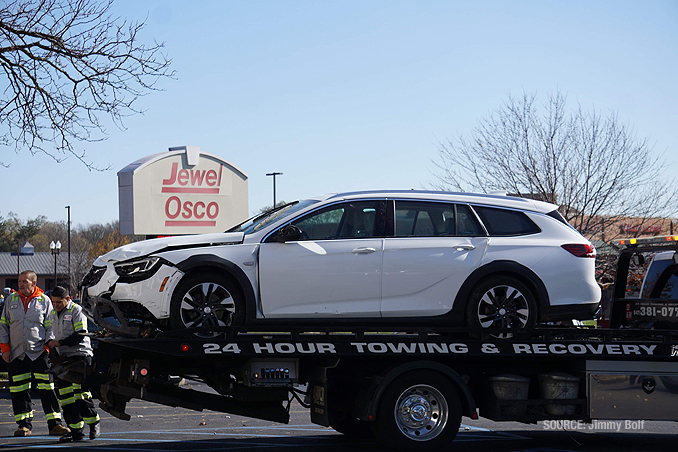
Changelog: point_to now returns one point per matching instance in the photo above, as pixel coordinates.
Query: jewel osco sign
(183, 191)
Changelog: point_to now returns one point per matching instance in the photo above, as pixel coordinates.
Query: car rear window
(555, 214)
(504, 222)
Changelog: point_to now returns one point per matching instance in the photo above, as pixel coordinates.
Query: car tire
(207, 300)
(418, 411)
(501, 302)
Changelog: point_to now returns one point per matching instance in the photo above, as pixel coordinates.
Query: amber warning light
(646, 240)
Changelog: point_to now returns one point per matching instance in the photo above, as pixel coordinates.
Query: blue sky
(352, 95)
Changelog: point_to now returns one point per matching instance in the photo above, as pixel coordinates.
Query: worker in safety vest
(25, 327)
(72, 346)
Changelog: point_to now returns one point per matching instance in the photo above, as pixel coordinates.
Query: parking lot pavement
(157, 428)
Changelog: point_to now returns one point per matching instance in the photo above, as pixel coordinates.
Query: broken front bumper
(108, 315)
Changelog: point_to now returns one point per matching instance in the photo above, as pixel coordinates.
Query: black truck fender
(370, 393)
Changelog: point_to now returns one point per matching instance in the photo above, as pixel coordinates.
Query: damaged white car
(405, 257)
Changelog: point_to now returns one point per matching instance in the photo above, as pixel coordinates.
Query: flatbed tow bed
(408, 386)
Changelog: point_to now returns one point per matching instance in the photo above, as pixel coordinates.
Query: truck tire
(419, 411)
(501, 302)
(207, 299)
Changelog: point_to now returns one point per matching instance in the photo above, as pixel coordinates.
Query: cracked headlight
(137, 269)
(93, 276)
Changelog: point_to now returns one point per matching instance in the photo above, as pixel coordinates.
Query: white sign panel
(183, 191)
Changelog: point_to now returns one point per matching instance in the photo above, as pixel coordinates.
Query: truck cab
(656, 306)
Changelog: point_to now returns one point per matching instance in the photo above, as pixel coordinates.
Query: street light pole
(69, 248)
(56, 248)
(274, 174)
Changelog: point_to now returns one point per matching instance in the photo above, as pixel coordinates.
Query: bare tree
(80, 260)
(593, 167)
(67, 65)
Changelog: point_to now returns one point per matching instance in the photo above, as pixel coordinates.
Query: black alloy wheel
(501, 302)
(207, 301)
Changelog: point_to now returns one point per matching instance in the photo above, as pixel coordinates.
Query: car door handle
(363, 250)
(464, 247)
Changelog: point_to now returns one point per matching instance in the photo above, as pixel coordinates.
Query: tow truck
(409, 386)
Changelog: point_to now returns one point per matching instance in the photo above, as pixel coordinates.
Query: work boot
(94, 430)
(22, 431)
(59, 430)
(73, 435)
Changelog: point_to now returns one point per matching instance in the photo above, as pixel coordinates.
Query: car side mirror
(289, 233)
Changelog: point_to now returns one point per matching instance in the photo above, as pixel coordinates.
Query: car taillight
(580, 249)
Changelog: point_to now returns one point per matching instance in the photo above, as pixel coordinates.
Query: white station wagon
(405, 257)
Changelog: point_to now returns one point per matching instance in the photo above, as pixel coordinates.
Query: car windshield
(262, 220)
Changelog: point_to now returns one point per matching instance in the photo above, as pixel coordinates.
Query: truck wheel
(418, 411)
(501, 302)
(204, 300)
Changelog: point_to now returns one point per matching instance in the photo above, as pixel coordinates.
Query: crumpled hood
(150, 246)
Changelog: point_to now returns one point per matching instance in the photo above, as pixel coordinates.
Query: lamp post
(274, 174)
(69, 247)
(56, 248)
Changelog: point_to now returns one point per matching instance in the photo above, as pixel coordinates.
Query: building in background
(605, 229)
(42, 263)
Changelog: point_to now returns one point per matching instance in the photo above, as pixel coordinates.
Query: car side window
(467, 223)
(434, 219)
(346, 220)
(504, 222)
(416, 219)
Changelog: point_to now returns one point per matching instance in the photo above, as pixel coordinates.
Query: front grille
(93, 276)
